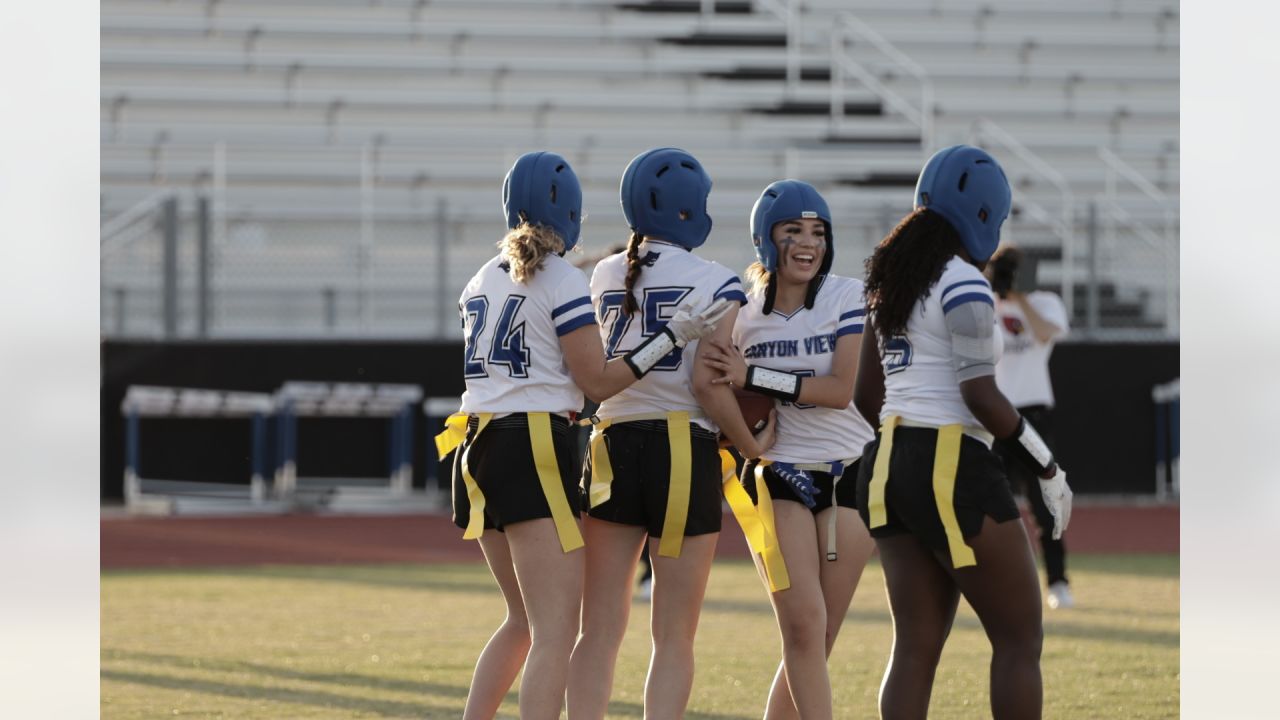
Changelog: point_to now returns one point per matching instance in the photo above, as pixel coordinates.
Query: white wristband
(650, 353)
(775, 383)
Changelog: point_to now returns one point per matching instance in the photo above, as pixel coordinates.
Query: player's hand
(1057, 497)
(727, 361)
(687, 326)
(800, 481)
(766, 437)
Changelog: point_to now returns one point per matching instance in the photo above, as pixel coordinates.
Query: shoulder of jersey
(961, 283)
(839, 284)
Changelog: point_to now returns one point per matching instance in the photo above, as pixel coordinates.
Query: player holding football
(800, 335)
(654, 463)
(932, 492)
(531, 350)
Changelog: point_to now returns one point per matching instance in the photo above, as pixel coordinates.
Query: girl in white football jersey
(654, 465)
(797, 340)
(531, 350)
(930, 489)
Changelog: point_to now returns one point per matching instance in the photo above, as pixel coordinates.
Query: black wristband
(774, 383)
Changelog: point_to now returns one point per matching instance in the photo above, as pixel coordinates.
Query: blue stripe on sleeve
(849, 329)
(962, 283)
(727, 283)
(966, 298)
(575, 323)
(853, 314)
(735, 294)
(584, 300)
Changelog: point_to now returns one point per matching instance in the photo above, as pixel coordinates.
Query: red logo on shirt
(1012, 324)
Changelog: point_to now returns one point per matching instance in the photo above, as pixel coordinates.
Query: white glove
(686, 326)
(1057, 497)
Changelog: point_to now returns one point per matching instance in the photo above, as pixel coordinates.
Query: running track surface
(151, 542)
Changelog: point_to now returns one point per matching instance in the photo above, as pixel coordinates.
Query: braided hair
(629, 302)
(906, 263)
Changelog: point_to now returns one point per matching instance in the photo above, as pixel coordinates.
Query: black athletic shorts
(640, 456)
(846, 490)
(981, 488)
(501, 461)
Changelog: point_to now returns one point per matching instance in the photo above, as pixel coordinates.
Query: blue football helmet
(787, 200)
(965, 185)
(542, 189)
(664, 195)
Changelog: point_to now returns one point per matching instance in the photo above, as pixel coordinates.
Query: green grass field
(400, 641)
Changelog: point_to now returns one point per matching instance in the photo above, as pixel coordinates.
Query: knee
(516, 628)
(805, 629)
(1022, 644)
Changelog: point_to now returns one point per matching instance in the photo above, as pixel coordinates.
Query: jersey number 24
(507, 346)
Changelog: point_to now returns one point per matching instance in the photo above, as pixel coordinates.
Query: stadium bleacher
(353, 153)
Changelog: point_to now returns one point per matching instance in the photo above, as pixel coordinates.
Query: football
(755, 408)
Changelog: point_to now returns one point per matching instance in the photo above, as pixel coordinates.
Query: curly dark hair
(906, 263)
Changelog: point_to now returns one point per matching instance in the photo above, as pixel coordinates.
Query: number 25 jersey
(512, 359)
(670, 277)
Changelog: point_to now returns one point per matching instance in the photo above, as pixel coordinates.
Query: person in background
(1031, 322)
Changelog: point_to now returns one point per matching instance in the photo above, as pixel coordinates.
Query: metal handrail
(1166, 240)
(983, 128)
(113, 229)
(848, 25)
(785, 10)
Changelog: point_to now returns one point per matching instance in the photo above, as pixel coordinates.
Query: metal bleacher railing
(333, 168)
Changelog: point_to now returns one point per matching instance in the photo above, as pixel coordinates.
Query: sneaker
(1059, 596)
(645, 592)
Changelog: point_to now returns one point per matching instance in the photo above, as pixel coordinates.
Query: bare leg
(1005, 594)
(612, 551)
(839, 580)
(801, 687)
(551, 584)
(502, 657)
(679, 585)
(923, 600)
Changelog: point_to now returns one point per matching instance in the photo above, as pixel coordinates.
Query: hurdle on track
(146, 401)
(393, 402)
(1168, 400)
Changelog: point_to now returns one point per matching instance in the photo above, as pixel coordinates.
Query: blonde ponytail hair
(526, 246)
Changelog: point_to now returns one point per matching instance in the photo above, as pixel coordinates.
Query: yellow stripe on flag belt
(475, 523)
(946, 459)
(880, 474)
(740, 503)
(544, 458)
(775, 567)
(455, 432)
(601, 468)
(678, 438)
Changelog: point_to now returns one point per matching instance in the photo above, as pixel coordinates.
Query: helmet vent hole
(653, 200)
(982, 162)
(963, 179)
(684, 214)
(924, 198)
(772, 194)
(664, 169)
(553, 194)
(982, 215)
(560, 167)
(691, 166)
(573, 215)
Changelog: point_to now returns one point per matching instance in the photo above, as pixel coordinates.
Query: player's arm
(717, 399)
(1042, 327)
(868, 386)
(600, 380)
(831, 391)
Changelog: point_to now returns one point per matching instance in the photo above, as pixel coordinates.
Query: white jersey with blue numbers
(920, 382)
(512, 360)
(671, 277)
(804, 343)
